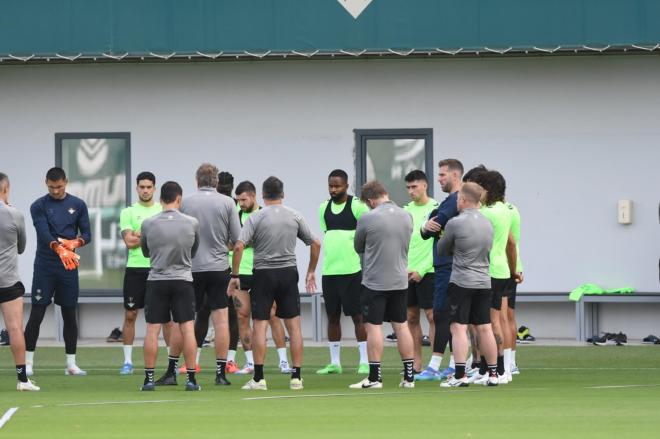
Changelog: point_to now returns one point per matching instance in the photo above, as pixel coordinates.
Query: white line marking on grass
(157, 401)
(625, 386)
(7, 416)
(371, 393)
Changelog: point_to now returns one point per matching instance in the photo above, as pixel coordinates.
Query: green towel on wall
(593, 289)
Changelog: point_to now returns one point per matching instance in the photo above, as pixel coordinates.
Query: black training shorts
(342, 292)
(7, 294)
(279, 285)
(169, 300)
(211, 289)
(247, 280)
(135, 287)
(469, 305)
(420, 294)
(380, 306)
(512, 289)
(500, 288)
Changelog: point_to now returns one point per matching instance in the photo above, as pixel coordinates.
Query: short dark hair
(225, 183)
(4, 179)
(416, 175)
(474, 173)
(272, 189)
(55, 174)
(145, 175)
(339, 173)
(169, 191)
(372, 190)
(452, 165)
(245, 186)
(494, 184)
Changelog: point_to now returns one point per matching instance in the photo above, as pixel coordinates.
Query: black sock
(460, 371)
(220, 365)
(148, 375)
(500, 364)
(483, 367)
(476, 365)
(295, 374)
(258, 372)
(492, 370)
(408, 370)
(20, 372)
(191, 376)
(374, 371)
(172, 363)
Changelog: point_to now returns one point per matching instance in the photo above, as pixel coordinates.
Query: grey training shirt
(272, 232)
(218, 224)
(170, 239)
(382, 239)
(468, 237)
(12, 243)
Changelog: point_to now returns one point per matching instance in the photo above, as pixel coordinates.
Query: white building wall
(572, 135)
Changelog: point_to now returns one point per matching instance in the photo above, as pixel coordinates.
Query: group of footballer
(221, 256)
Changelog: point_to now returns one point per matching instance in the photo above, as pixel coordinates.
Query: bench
(587, 309)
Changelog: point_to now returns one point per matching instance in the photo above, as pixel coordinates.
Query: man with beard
(137, 265)
(342, 274)
(450, 172)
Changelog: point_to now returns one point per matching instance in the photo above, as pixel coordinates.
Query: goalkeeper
(62, 225)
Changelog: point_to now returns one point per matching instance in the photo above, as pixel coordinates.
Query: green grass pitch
(563, 392)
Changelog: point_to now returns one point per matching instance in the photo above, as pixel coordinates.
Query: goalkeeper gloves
(71, 244)
(69, 259)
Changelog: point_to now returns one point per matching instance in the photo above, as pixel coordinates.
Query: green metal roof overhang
(116, 30)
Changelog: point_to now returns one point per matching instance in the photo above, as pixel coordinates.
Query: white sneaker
(74, 370)
(255, 385)
(407, 384)
(491, 381)
(28, 370)
(27, 386)
(248, 369)
(481, 379)
(284, 367)
(366, 384)
(296, 384)
(502, 379)
(509, 376)
(455, 382)
(515, 370)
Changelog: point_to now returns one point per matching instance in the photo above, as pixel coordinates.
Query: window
(98, 169)
(388, 155)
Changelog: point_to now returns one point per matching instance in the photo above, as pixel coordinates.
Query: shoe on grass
(296, 384)
(448, 372)
(363, 369)
(248, 369)
(407, 384)
(255, 385)
(455, 382)
(285, 368)
(27, 386)
(148, 387)
(74, 370)
(366, 384)
(429, 374)
(232, 367)
(330, 369)
(126, 369)
(221, 380)
(193, 387)
(168, 379)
